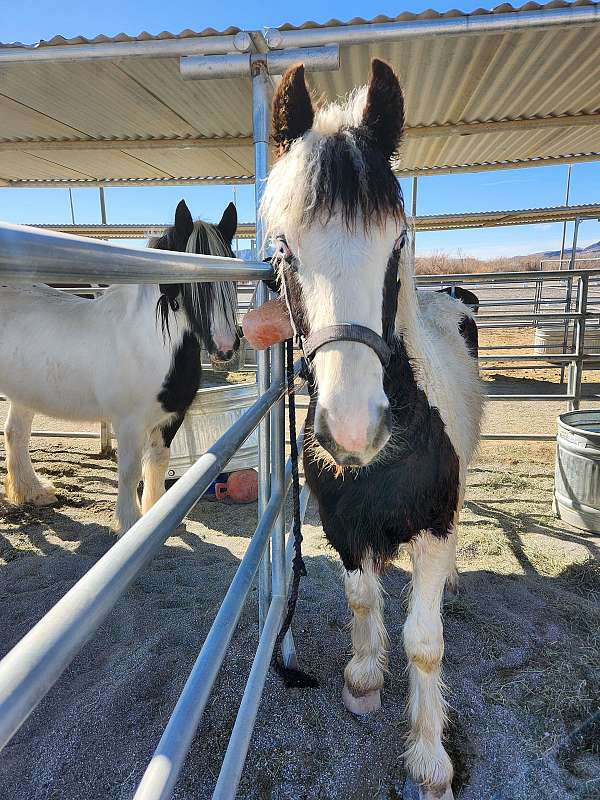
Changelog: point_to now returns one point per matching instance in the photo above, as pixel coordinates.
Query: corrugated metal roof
(478, 101)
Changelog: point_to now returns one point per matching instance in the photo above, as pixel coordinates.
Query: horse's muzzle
(346, 447)
(223, 357)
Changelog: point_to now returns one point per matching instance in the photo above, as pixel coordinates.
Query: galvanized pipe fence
(579, 312)
(32, 667)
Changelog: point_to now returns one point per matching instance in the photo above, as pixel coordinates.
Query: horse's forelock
(337, 168)
(202, 300)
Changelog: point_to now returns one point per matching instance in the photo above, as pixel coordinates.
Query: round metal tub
(213, 412)
(577, 472)
(549, 339)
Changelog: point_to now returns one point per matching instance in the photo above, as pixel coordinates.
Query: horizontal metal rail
(32, 255)
(506, 277)
(533, 397)
(518, 437)
(61, 434)
(532, 315)
(32, 667)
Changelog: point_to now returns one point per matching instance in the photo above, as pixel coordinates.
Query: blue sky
(31, 20)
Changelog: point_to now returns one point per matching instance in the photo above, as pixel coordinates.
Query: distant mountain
(592, 250)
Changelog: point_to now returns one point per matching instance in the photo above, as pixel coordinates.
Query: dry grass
(440, 263)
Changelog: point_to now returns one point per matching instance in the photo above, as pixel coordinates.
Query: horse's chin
(353, 460)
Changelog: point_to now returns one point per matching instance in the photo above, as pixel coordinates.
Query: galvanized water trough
(577, 472)
(214, 410)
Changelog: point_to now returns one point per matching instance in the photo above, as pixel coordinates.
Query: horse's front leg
(363, 677)
(130, 442)
(154, 467)
(427, 762)
(23, 484)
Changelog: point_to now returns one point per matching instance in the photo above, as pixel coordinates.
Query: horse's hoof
(44, 499)
(119, 528)
(364, 704)
(453, 583)
(436, 794)
(412, 792)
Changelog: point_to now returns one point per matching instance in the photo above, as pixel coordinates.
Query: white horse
(395, 398)
(131, 356)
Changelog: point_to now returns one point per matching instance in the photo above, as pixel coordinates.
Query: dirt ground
(522, 660)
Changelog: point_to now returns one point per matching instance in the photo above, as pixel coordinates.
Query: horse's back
(448, 367)
(79, 358)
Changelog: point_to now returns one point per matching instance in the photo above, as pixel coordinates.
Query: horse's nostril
(323, 434)
(384, 427)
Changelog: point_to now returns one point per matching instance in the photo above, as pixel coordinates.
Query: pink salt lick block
(267, 325)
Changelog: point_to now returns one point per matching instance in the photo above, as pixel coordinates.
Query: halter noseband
(344, 331)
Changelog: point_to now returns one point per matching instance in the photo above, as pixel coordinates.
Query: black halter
(344, 331)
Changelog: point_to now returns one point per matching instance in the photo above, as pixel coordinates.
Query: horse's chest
(183, 378)
(413, 486)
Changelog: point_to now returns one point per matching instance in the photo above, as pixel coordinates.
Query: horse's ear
(228, 223)
(384, 111)
(292, 108)
(184, 224)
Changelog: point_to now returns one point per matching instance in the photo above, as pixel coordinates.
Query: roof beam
(501, 126)
(574, 158)
(492, 219)
(106, 51)
(459, 129)
(545, 161)
(221, 180)
(126, 144)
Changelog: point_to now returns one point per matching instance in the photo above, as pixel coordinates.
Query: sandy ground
(522, 658)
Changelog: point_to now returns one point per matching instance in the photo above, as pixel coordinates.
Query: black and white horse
(130, 356)
(395, 401)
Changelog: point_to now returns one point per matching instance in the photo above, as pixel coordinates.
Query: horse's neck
(129, 301)
(409, 323)
(408, 318)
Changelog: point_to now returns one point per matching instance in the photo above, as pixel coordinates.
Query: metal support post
(576, 366)
(102, 206)
(261, 96)
(106, 448)
(415, 185)
(568, 297)
(562, 245)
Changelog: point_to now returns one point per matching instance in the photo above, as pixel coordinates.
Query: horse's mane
(333, 168)
(199, 300)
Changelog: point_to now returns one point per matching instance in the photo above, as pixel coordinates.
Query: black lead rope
(293, 678)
